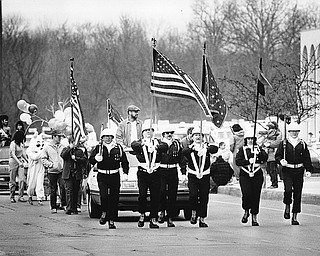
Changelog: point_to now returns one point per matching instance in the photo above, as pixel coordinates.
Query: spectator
(187, 140)
(17, 161)
(223, 152)
(236, 142)
(5, 130)
(129, 130)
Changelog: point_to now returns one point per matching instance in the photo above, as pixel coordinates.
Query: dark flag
(113, 114)
(215, 100)
(170, 81)
(78, 128)
(262, 81)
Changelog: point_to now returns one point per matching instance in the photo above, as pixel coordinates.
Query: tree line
(115, 61)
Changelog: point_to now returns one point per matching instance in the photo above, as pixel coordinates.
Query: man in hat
(129, 129)
(294, 156)
(270, 140)
(109, 157)
(148, 152)
(52, 160)
(198, 157)
(169, 175)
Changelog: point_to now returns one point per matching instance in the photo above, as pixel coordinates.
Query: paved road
(33, 230)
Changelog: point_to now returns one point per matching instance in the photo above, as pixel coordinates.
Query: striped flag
(215, 100)
(78, 128)
(262, 81)
(169, 80)
(113, 114)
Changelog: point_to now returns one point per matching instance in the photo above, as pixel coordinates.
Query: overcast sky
(153, 13)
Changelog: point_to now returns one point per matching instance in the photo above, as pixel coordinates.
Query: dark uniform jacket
(174, 156)
(295, 155)
(74, 168)
(110, 160)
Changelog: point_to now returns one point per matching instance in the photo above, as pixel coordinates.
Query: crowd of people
(247, 161)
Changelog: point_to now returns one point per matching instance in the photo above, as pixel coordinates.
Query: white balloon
(59, 115)
(52, 122)
(24, 117)
(67, 112)
(29, 121)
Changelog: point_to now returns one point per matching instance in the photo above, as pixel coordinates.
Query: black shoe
(254, 223)
(140, 224)
(30, 201)
(153, 225)
(103, 220)
(170, 224)
(13, 200)
(68, 212)
(245, 217)
(193, 220)
(75, 212)
(203, 224)
(295, 222)
(286, 215)
(111, 225)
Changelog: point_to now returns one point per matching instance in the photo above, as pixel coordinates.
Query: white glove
(151, 149)
(202, 152)
(251, 160)
(267, 144)
(184, 178)
(98, 158)
(125, 177)
(283, 162)
(308, 174)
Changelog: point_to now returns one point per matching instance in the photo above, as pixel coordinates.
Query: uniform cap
(133, 108)
(196, 130)
(294, 127)
(146, 125)
(166, 129)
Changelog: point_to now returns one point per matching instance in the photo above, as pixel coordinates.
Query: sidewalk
(310, 191)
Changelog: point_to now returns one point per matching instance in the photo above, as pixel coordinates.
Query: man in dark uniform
(169, 176)
(198, 157)
(294, 156)
(148, 152)
(109, 155)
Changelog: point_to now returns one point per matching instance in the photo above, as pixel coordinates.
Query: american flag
(262, 81)
(215, 100)
(113, 114)
(78, 128)
(169, 80)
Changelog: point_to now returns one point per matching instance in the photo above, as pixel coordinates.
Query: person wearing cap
(52, 160)
(249, 158)
(294, 156)
(109, 157)
(236, 142)
(148, 151)
(170, 160)
(187, 140)
(129, 129)
(75, 159)
(270, 141)
(198, 158)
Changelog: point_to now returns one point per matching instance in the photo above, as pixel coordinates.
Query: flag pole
(71, 78)
(154, 42)
(107, 106)
(257, 102)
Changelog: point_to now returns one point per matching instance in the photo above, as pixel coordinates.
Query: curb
(307, 198)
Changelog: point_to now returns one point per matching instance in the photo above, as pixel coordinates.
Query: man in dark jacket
(169, 176)
(109, 156)
(294, 156)
(75, 159)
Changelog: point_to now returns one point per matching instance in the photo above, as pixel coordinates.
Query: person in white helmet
(170, 160)
(148, 151)
(249, 158)
(198, 158)
(294, 156)
(109, 157)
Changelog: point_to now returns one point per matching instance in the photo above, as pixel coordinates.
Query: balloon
(24, 117)
(33, 109)
(60, 125)
(67, 120)
(29, 121)
(67, 112)
(59, 115)
(23, 106)
(52, 123)
(67, 130)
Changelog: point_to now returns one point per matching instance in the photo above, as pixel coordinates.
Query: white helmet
(196, 130)
(166, 129)
(107, 132)
(294, 126)
(146, 125)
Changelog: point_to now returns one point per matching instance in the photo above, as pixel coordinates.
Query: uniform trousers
(293, 183)
(109, 186)
(251, 190)
(168, 190)
(72, 188)
(199, 193)
(152, 182)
